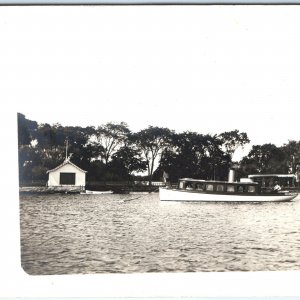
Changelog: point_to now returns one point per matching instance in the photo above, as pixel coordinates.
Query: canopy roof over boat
(271, 175)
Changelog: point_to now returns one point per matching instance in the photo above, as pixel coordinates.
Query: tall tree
(232, 140)
(189, 149)
(26, 129)
(128, 159)
(46, 136)
(216, 163)
(109, 138)
(151, 142)
(195, 155)
(266, 159)
(292, 151)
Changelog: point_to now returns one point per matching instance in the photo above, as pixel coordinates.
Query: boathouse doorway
(67, 179)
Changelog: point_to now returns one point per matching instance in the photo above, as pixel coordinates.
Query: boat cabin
(197, 185)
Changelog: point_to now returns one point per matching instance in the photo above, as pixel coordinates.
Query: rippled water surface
(66, 234)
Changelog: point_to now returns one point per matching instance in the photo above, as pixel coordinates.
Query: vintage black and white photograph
(165, 142)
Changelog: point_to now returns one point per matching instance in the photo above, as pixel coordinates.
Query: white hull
(166, 194)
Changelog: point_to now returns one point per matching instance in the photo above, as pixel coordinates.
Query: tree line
(112, 152)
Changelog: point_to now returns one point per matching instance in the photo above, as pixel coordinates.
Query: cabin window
(67, 178)
(240, 189)
(251, 189)
(230, 188)
(181, 185)
(200, 186)
(209, 187)
(220, 188)
(189, 186)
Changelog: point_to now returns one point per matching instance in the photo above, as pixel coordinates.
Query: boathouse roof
(67, 161)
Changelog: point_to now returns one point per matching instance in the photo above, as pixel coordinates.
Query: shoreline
(78, 190)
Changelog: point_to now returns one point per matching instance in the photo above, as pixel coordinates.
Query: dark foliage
(111, 152)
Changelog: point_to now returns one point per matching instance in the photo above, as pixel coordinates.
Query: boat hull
(166, 194)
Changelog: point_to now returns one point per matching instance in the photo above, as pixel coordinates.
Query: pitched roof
(67, 161)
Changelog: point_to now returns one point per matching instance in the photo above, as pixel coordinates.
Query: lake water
(68, 234)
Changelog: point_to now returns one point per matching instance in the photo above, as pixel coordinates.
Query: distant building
(67, 174)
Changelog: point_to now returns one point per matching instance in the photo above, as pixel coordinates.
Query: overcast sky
(207, 69)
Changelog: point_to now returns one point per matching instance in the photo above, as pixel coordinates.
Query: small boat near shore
(246, 190)
(88, 192)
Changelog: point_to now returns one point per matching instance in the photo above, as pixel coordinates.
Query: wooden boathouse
(66, 175)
